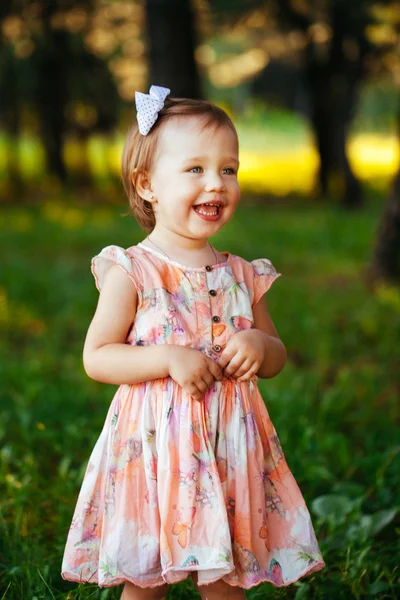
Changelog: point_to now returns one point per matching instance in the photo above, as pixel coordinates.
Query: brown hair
(139, 149)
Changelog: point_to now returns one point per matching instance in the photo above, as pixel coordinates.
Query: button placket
(216, 305)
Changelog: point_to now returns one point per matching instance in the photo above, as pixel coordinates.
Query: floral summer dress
(174, 485)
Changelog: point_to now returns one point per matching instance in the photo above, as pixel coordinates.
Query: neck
(169, 239)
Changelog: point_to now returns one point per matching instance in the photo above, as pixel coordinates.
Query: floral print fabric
(174, 485)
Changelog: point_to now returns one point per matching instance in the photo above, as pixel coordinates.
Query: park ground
(335, 404)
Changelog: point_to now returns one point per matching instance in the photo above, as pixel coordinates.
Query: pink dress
(174, 485)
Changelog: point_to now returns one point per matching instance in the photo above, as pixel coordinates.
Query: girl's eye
(230, 171)
(196, 170)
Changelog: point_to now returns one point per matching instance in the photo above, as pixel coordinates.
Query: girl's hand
(192, 370)
(243, 355)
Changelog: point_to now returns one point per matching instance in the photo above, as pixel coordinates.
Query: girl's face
(194, 166)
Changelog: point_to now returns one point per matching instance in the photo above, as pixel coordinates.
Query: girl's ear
(141, 182)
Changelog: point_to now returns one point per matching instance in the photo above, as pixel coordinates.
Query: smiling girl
(188, 477)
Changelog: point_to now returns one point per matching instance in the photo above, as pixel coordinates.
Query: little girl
(188, 477)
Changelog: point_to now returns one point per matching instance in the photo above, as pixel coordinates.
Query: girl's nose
(214, 183)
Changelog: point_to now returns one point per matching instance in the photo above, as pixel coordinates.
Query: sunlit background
(247, 63)
(313, 89)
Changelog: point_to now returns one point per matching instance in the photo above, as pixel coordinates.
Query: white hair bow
(148, 107)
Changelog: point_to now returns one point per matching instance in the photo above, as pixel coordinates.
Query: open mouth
(208, 209)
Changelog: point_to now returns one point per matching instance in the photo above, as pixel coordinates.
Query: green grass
(334, 405)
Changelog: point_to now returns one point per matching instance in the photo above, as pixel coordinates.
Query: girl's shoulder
(257, 274)
(145, 268)
(128, 259)
(255, 267)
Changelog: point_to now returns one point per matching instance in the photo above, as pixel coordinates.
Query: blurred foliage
(103, 59)
(250, 33)
(284, 30)
(277, 152)
(335, 405)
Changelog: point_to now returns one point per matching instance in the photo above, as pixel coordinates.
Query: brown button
(217, 348)
(208, 268)
(216, 319)
(212, 293)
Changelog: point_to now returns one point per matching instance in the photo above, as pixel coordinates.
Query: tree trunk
(334, 78)
(386, 256)
(333, 71)
(10, 120)
(172, 41)
(333, 101)
(51, 93)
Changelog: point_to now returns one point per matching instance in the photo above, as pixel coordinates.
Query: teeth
(207, 213)
(203, 212)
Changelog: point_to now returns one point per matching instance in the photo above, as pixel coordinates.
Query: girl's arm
(106, 356)
(275, 355)
(257, 351)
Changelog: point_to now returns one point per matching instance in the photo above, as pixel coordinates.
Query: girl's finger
(234, 365)
(226, 356)
(196, 393)
(244, 367)
(215, 370)
(202, 386)
(249, 374)
(209, 379)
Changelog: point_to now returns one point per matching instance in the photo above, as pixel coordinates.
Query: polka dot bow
(148, 107)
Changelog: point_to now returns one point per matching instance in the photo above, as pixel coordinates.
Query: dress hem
(308, 571)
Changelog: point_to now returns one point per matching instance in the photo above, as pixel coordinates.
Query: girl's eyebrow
(200, 158)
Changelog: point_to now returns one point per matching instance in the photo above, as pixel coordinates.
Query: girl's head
(189, 158)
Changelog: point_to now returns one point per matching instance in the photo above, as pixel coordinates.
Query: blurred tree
(47, 68)
(172, 41)
(10, 110)
(333, 72)
(386, 254)
(386, 257)
(51, 60)
(336, 54)
(68, 74)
